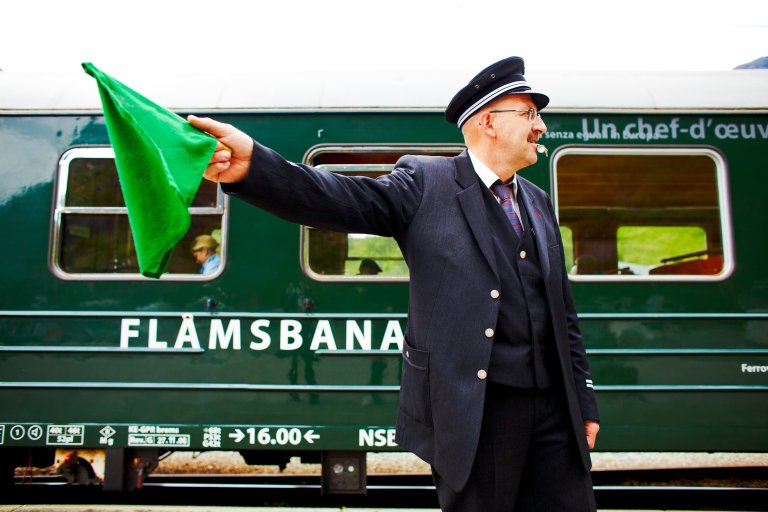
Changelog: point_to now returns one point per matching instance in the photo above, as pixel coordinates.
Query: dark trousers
(527, 459)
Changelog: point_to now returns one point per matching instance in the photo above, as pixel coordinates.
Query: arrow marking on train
(310, 436)
(237, 435)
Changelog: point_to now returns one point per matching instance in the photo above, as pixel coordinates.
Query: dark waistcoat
(523, 353)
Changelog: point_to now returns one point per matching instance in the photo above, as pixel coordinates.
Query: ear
(485, 122)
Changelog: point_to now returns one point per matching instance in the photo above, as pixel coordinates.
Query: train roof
(390, 90)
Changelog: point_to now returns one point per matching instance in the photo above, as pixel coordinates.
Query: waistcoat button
(523, 254)
(495, 294)
(489, 333)
(482, 374)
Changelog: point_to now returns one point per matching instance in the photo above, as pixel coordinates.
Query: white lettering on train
(290, 335)
(323, 334)
(227, 334)
(393, 335)
(257, 329)
(644, 129)
(127, 332)
(187, 334)
(220, 338)
(354, 333)
(376, 437)
(153, 342)
(749, 368)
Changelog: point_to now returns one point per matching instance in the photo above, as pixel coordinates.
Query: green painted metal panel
(677, 365)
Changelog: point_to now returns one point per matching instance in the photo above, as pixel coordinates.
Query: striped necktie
(504, 192)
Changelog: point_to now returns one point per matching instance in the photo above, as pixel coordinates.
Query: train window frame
(723, 205)
(310, 157)
(60, 210)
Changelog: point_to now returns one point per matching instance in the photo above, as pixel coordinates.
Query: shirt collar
(486, 175)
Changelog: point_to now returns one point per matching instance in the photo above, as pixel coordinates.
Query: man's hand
(232, 159)
(591, 428)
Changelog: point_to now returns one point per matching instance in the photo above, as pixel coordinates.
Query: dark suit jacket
(434, 209)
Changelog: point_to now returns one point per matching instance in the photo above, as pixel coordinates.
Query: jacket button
(482, 374)
(495, 294)
(523, 254)
(489, 333)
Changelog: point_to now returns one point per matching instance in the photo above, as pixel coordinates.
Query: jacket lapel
(535, 212)
(470, 199)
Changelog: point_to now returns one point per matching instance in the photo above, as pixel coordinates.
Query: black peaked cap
(498, 79)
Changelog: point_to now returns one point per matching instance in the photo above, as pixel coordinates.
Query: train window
(655, 214)
(92, 239)
(331, 256)
(567, 235)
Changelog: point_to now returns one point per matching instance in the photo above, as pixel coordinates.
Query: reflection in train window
(92, 238)
(331, 256)
(567, 235)
(647, 214)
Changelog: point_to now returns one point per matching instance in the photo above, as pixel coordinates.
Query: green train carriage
(293, 345)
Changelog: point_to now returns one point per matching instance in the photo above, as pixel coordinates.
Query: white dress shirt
(488, 177)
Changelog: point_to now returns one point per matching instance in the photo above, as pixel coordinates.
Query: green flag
(160, 161)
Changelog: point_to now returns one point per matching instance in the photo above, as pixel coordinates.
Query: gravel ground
(378, 463)
(219, 462)
(137, 508)
(232, 463)
(387, 463)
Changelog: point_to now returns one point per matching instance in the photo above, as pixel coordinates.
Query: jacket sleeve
(582, 378)
(323, 199)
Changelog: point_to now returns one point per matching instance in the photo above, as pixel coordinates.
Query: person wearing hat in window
(496, 392)
(205, 254)
(368, 267)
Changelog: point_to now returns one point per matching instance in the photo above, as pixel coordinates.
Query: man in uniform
(496, 392)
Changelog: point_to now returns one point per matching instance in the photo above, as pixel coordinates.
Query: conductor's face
(518, 127)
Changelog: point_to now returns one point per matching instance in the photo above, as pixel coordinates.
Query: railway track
(744, 489)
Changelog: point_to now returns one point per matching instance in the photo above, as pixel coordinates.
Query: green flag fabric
(160, 161)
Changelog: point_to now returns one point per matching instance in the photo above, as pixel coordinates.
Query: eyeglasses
(532, 113)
